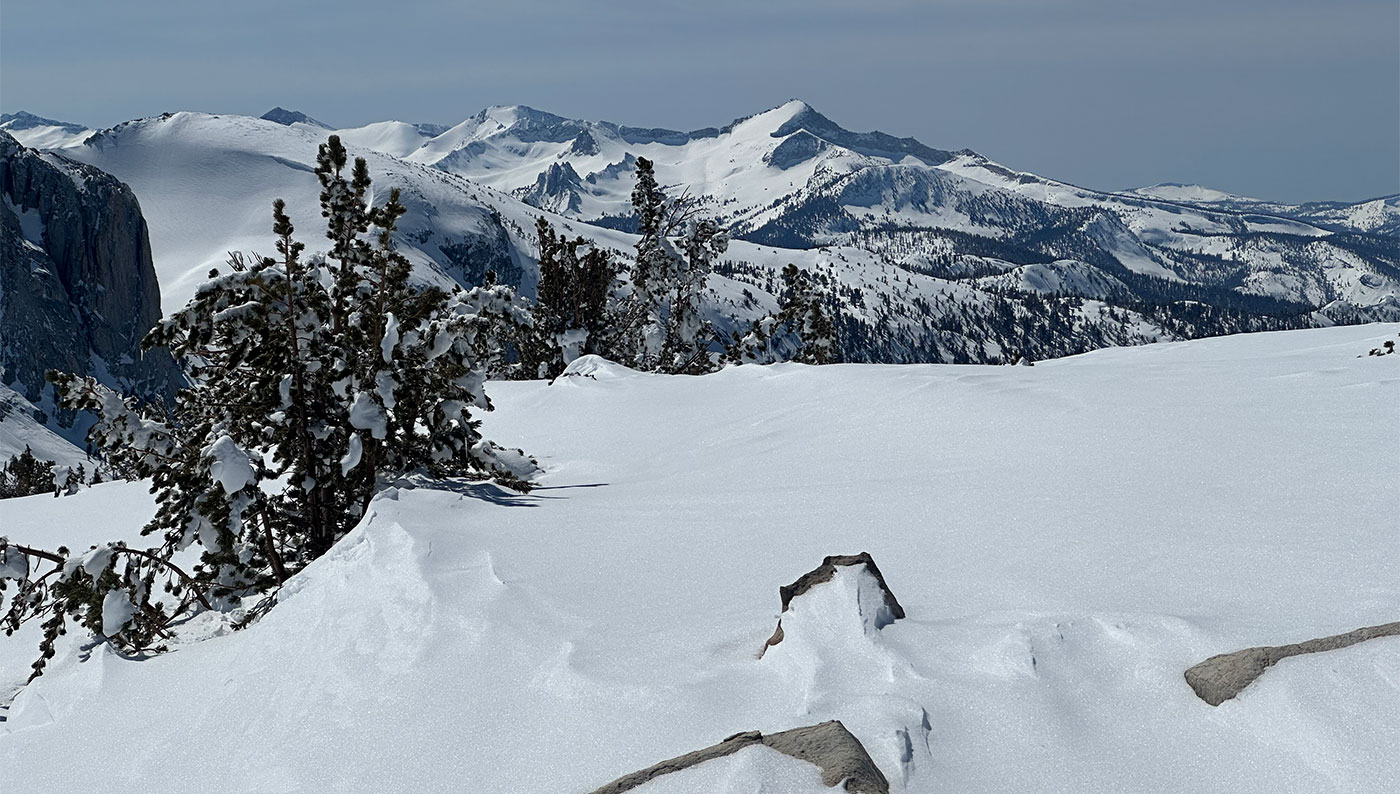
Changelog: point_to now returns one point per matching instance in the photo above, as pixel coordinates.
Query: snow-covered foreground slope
(1066, 540)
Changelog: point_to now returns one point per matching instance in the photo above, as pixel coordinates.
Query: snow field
(1066, 540)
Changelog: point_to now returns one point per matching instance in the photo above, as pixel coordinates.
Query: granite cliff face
(77, 285)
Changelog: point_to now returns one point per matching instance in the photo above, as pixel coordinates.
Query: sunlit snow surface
(1066, 539)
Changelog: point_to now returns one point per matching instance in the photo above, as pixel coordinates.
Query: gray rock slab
(1222, 677)
(828, 746)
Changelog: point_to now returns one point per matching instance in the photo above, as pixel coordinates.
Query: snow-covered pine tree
(26, 475)
(805, 311)
(668, 285)
(571, 311)
(687, 333)
(312, 385)
(802, 329)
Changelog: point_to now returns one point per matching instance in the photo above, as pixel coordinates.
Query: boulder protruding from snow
(825, 572)
(828, 746)
(1220, 678)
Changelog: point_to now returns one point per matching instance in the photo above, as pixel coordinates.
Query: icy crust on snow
(1066, 540)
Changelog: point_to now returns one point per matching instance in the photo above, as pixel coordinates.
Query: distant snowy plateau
(1066, 540)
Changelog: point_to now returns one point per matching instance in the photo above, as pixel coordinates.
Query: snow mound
(595, 368)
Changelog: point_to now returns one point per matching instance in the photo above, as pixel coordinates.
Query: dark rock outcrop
(287, 118)
(77, 285)
(828, 746)
(824, 573)
(1220, 678)
(556, 189)
(797, 148)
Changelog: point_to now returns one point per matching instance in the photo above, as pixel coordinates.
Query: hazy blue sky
(1285, 99)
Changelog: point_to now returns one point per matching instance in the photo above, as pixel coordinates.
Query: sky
(1291, 100)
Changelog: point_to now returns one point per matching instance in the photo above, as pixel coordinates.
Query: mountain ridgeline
(922, 254)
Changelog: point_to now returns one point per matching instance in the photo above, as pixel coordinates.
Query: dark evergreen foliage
(571, 312)
(26, 475)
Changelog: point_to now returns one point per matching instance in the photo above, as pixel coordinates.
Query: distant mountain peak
(287, 118)
(515, 116)
(796, 115)
(23, 120)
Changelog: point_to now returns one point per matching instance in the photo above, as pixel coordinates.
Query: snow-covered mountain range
(929, 254)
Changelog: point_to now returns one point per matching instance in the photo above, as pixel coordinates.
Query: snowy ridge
(41, 133)
(612, 617)
(1377, 216)
(207, 182)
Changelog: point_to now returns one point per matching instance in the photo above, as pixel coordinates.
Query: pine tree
(802, 329)
(668, 285)
(313, 384)
(804, 310)
(571, 315)
(26, 475)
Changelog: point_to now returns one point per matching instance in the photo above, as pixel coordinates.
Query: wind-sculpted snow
(1065, 541)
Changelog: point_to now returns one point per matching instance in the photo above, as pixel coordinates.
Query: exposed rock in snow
(1220, 678)
(289, 117)
(556, 189)
(873, 615)
(828, 746)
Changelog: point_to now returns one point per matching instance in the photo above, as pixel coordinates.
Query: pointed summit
(796, 115)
